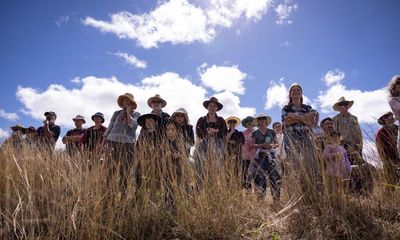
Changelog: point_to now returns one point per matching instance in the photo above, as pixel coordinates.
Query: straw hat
(262, 115)
(214, 100)
(247, 120)
(342, 100)
(50, 113)
(143, 117)
(236, 119)
(381, 120)
(128, 96)
(79, 117)
(17, 127)
(157, 98)
(181, 111)
(98, 114)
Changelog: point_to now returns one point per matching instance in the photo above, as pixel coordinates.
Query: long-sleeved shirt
(248, 150)
(386, 143)
(347, 125)
(119, 130)
(336, 161)
(203, 124)
(394, 103)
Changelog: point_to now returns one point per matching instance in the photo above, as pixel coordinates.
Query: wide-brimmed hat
(98, 114)
(17, 127)
(181, 111)
(30, 129)
(213, 100)
(157, 98)
(342, 100)
(262, 115)
(50, 113)
(79, 117)
(233, 118)
(247, 120)
(128, 96)
(143, 117)
(381, 119)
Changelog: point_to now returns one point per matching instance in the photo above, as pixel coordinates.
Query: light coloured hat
(128, 96)
(98, 114)
(157, 98)
(79, 117)
(236, 119)
(214, 100)
(262, 115)
(381, 119)
(342, 100)
(182, 111)
(247, 120)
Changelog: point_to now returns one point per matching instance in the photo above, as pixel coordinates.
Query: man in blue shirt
(48, 133)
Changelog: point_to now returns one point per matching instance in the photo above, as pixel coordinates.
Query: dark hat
(50, 113)
(143, 117)
(247, 120)
(30, 129)
(214, 100)
(381, 119)
(17, 127)
(157, 98)
(98, 114)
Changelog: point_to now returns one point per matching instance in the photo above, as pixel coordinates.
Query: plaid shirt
(298, 126)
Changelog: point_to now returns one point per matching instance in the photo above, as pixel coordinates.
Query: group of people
(255, 155)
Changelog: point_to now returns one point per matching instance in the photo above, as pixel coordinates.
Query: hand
(129, 109)
(45, 122)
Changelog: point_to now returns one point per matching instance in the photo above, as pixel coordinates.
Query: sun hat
(181, 111)
(341, 101)
(262, 115)
(50, 113)
(247, 120)
(381, 119)
(17, 127)
(213, 100)
(233, 118)
(143, 117)
(79, 117)
(128, 96)
(157, 98)
(98, 114)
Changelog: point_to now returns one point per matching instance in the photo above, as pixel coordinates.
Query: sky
(76, 57)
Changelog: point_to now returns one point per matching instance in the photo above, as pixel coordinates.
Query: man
(386, 142)
(48, 133)
(74, 136)
(93, 138)
(347, 124)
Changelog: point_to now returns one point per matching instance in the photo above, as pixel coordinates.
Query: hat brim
(15, 128)
(185, 114)
(246, 121)
(76, 119)
(50, 113)
(336, 105)
(269, 119)
(121, 98)
(99, 117)
(236, 119)
(207, 102)
(143, 117)
(381, 121)
(163, 102)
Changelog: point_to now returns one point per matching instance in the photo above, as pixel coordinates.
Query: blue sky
(76, 57)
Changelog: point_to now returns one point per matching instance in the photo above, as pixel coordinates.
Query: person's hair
(301, 89)
(335, 134)
(392, 84)
(275, 123)
(325, 119)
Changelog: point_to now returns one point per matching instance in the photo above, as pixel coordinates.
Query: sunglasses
(343, 104)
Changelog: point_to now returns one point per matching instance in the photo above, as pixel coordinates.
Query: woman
(121, 136)
(298, 120)
(93, 138)
(235, 141)
(181, 117)
(248, 150)
(211, 130)
(394, 102)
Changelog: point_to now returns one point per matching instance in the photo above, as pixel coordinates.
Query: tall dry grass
(58, 197)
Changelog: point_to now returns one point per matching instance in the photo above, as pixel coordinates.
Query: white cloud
(3, 134)
(232, 107)
(100, 94)
(284, 12)
(75, 80)
(333, 77)
(61, 20)
(277, 95)
(8, 116)
(368, 105)
(286, 44)
(370, 153)
(179, 21)
(221, 78)
(131, 60)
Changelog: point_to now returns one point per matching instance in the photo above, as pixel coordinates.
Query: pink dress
(248, 151)
(336, 161)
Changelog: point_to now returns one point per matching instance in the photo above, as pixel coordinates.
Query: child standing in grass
(337, 164)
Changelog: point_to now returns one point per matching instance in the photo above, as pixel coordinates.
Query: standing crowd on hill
(319, 153)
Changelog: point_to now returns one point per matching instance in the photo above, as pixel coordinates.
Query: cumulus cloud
(100, 94)
(368, 105)
(284, 12)
(221, 78)
(131, 60)
(333, 77)
(8, 116)
(179, 21)
(3, 134)
(75, 80)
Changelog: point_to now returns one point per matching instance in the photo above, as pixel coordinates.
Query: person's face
(397, 87)
(336, 139)
(156, 105)
(278, 128)
(171, 132)
(231, 124)
(78, 123)
(125, 103)
(343, 107)
(295, 92)
(97, 120)
(389, 120)
(250, 126)
(150, 124)
(262, 122)
(212, 107)
(179, 118)
(50, 118)
(327, 126)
